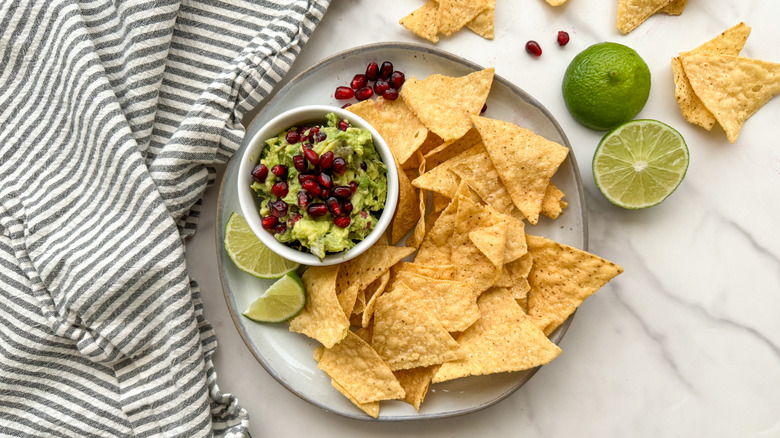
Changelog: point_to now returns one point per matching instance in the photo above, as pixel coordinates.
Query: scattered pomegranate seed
(390, 94)
(342, 192)
(343, 125)
(281, 228)
(346, 105)
(306, 177)
(380, 86)
(386, 70)
(344, 93)
(292, 136)
(326, 160)
(364, 93)
(342, 221)
(339, 166)
(260, 173)
(359, 81)
(563, 38)
(269, 222)
(280, 170)
(347, 206)
(397, 79)
(372, 71)
(484, 108)
(353, 185)
(300, 163)
(333, 206)
(325, 180)
(312, 187)
(533, 48)
(280, 189)
(317, 209)
(303, 199)
(312, 156)
(278, 208)
(295, 217)
(319, 136)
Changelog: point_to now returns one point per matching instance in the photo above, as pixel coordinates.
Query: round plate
(287, 356)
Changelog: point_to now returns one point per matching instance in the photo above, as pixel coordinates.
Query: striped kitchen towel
(112, 113)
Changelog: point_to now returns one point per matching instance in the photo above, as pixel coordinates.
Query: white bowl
(250, 202)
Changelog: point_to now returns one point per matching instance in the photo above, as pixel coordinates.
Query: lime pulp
(280, 302)
(250, 254)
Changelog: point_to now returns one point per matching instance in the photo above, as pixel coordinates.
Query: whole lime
(606, 85)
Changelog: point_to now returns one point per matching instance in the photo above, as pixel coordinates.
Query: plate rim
(357, 50)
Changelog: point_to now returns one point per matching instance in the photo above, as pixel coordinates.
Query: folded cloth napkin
(111, 114)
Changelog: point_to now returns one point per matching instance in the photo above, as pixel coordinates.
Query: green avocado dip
(322, 187)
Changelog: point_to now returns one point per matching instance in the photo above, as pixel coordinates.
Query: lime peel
(249, 254)
(282, 301)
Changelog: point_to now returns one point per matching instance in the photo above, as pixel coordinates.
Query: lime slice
(640, 163)
(280, 302)
(249, 254)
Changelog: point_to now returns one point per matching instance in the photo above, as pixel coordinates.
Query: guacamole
(322, 187)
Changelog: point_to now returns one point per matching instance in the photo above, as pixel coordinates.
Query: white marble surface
(686, 342)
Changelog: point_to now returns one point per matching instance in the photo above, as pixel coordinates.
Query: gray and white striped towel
(111, 114)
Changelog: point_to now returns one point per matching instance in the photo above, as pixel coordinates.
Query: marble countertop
(687, 341)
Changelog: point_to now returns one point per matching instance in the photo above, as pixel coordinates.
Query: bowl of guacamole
(318, 185)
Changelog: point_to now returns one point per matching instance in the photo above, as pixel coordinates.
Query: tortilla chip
(451, 149)
(408, 211)
(444, 104)
(396, 123)
(423, 22)
(675, 7)
(453, 303)
(418, 234)
(375, 290)
(472, 264)
(365, 333)
(504, 339)
(440, 272)
(631, 13)
(440, 202)
(407, 335)
(732, 88)
(454, 14)
(323, 317)
(561, 278)
(491, 241)
(482, 24)
(524, 161)
(555, 2)
(730, 42)
(480, 174)
(553, 203)
(440, 180)
(371, 408)
(415, 382)
(354, 365)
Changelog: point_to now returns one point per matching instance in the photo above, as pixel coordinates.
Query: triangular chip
(556, 2)
(472, 264)
(451, 149)
(375, 289)
(631, 13)
(407, 335)
(354, 365)
(396, 123)
(435, 248)
(453, 303)
(504, 339)
(561, 278)
(415, 382)
(524, 161)
(553, 203)
(730, 42)
(424, 21)
(454, 14)
(370, 408)
(491, 241)
(482, 24)
(441, 179)
(732, 87)
(480, 174)
(407, 213)
(444, 104)
(323, 317)
(676, 7)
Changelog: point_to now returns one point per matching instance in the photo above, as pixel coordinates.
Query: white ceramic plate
(287, 356)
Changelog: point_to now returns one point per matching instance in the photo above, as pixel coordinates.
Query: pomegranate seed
(312, 156)
(333, 206)
(347, 206)
(278, 208)
(372, 71)
(303, 200)
(260, 173)
(385, 70)
(300, 163)
(359, 81)
(326, 160)
(280, 170)
(306, 177)
(280, 189)
(269, 222)
(295, 217)
(281, 228)
(342, 192)
(380, 86)
(363, 214)
(484, 108)
(397, 79)
(307, 145)
(390, 94)
(319, 136)
(363, 166)
(344, 93)
(533, 48)
(312, 187)
(563, 38)
(318, 209)
(346, 105)
(325, 180)
(364, 93)
(343, 124)
(339, 166)
(292, 136)
(342, 221)
(325, 193)
(313, 130)
(353, 185)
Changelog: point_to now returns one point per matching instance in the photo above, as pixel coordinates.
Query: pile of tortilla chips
(632, 13)
(446, 17)
(480, 296)
(714, 84)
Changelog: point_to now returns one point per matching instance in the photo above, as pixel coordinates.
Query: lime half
(280, 302)
(249, 254)
(640, 163)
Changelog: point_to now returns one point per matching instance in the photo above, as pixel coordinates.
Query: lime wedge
(280, 302)
(249, 254)
(640, 163)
